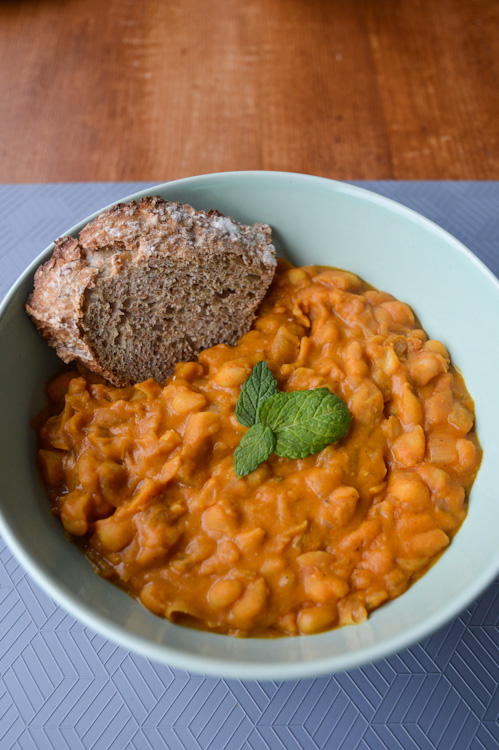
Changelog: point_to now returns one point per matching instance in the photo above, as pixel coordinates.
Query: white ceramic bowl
(314, 221)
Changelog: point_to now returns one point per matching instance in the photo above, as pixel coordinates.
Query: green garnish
(305, 422)
(259, 386)
(255, 447)
(293, 425)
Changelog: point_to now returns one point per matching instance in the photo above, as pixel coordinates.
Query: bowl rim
(209, 665)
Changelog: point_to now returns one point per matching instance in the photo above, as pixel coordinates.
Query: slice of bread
(148, 285)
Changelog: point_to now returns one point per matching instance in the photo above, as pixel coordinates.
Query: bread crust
(129, 237)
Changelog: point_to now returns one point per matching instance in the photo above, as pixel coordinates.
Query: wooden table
(155, 90)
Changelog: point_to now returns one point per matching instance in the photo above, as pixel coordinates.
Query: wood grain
(366, 89)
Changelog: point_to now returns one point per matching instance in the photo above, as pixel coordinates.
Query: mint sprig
(259, 386)
(293, 425)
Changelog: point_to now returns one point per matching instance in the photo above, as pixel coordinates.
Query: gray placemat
(63, 686)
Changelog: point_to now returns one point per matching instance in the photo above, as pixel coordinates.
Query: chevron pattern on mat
(62, 687)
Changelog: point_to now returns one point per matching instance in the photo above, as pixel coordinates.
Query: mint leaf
(255, 447)
(259, 386)
(305, 422)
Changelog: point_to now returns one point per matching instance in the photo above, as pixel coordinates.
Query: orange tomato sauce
(143, 476)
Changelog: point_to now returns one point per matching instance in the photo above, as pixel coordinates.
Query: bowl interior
(314, 221)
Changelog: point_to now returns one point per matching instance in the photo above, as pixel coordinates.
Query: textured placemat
(62, 686)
